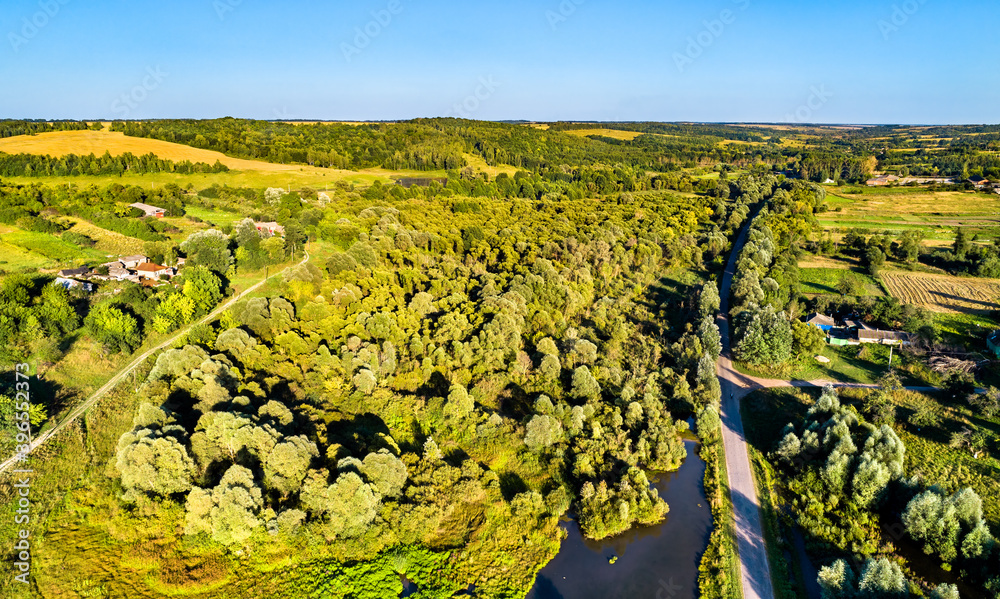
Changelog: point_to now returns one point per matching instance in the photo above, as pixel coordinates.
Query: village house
(149, 210)
(822, 322)
(852, 331)
(979, 182)
(118, 273)
(151, 271)
(885, 337)
(74, 272)
(270, 229)
(927, 180)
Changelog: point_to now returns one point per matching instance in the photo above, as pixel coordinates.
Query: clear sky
(849, 61)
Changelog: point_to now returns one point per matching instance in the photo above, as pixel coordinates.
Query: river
(655, 562)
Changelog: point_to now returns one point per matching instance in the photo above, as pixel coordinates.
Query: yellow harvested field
(824, 262)
(60, 143)
(943, 293)
(479, 163)
(612, 133)
(901, 202)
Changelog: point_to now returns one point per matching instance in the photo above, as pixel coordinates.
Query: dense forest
(509, 348)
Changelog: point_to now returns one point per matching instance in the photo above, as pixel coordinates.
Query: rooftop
(150, 267)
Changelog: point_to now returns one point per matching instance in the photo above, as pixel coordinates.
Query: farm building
(882, 180)
(74, 272)
(822, 322)
(842, 336)
(132, 262)
(979, 182)
(885, 337)
(149, 210)
(855, 323)
(122, 274)
(152, 271)
(270, 229)
(926, 180)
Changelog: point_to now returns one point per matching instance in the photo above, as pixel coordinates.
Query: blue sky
(853, 61)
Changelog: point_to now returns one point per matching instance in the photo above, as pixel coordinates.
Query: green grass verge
(786, 572)
(719, 571)
(862, 364)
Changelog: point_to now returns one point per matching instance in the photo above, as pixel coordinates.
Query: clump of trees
(35, 316)
(840, 468)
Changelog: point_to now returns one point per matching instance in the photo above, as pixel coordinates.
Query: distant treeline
(409, 146)
(33, 165)
(13, 128)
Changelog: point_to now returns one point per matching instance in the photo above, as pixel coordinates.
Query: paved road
(755, 571)
(82, 408)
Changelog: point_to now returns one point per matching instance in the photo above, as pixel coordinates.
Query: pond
(658, 562)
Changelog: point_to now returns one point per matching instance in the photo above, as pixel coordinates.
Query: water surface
(656, 562)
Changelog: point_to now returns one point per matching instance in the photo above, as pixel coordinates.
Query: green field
(825, 280)
(50, 247)
(14, 258)
(213, 217)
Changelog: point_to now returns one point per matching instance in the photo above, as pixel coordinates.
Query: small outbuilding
(153, 211)
(74, 272)
(133, 262)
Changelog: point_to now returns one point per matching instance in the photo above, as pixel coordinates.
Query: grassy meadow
(899, 209)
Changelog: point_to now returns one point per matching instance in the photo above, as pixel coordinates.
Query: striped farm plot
(942, 293)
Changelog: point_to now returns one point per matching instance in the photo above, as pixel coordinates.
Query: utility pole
(891, 347)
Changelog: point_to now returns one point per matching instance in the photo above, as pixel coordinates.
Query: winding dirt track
(113, 382)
